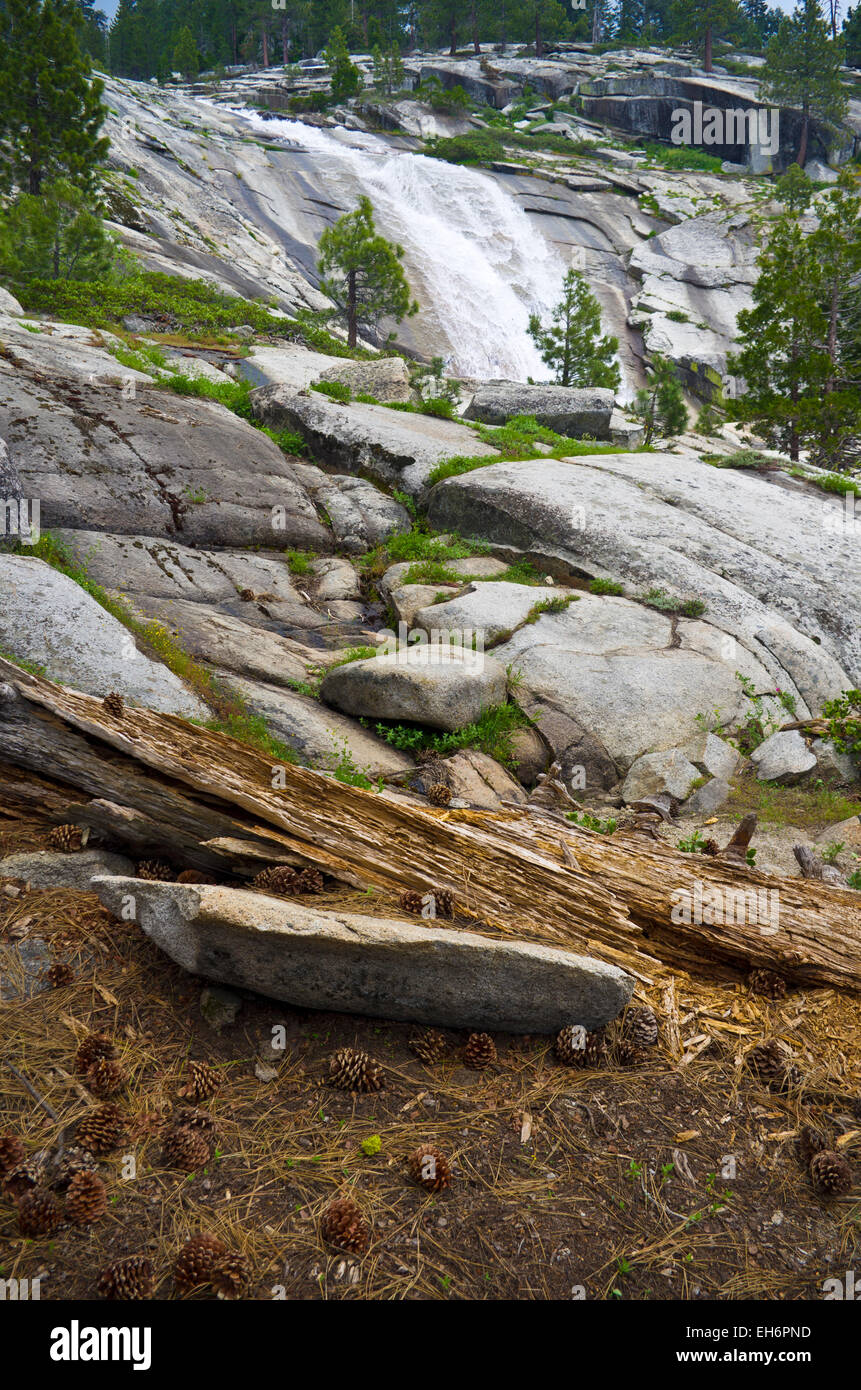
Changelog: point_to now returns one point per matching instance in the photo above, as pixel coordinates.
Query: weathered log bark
(212, 802)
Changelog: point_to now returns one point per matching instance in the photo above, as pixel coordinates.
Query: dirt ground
(676, 1178)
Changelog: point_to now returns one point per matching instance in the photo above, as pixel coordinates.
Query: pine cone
(355, 1071)
(576, 1047)
(105, 1078)
(12, 1152)
(71, 1162)
(188, 1117)
(155, 871)
(711, 847)
(67, 838)
(771, 1066)
(411, 902)
(196, 1261)
(203, 1082)
(430, 1167)
(59, 974)
(309, 881)
(127, 1280)
(38, 1212)
(86, 1199)
(429, 1047)
(444, 901)
(479, 1052)
(101, 1129)
(640, 1027)
(186, 1149)
(767, 983)
(231, 1275)
(196, 876)
(831, 1174)
(246, 595)
(94, 1047)
(280, 879)
(21, 1179)
(439, 794)
(344, 1226)
(810, 1143)
(627, 1053)
(114, 705)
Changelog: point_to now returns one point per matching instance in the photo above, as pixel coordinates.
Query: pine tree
(362, 273)
(851, 37)
(802, 68)
(53, 236)
(344, 77)
(570, 344)
(702, 21)
(50, 109)
(781, 357)
(661, 404)
(185, 56)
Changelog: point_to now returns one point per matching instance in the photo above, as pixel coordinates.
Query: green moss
(606, 586)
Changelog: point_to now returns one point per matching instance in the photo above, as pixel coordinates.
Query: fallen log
(216, 803)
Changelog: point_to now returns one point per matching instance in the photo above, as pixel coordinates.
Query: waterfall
(474, 260)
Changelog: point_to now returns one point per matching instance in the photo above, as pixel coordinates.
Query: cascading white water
(474, 259)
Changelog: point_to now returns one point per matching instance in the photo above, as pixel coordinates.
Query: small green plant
(346, 770)
(844, 722)
(335, 390)
(299, 561)
(692, 844)
(606, 586)
(854, 880)
(372, 1145)
(195, 495)
(678, 316)
(550, 605)
(354, 654)
(832, 853)
(590, 822)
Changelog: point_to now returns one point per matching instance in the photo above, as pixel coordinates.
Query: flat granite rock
(348, 963)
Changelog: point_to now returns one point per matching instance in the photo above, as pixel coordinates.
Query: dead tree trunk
(154, 782)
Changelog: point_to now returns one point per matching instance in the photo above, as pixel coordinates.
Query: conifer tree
(702, 21)
(50, 108)
(571, 343)
(661, 404)
(362, 272)
(344, 77)
(185, 56)
(802, 68)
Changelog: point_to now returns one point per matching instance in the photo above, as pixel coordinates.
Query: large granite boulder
(387, 378)
(370, 965)
(50, 621)
(398, 447)
(443, 687)
(672, 523)
(569, 410)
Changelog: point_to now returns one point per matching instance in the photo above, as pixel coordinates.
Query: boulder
(711, 754)
(360, 514)
(572, 411)
(608, 680)
(384, 968)
(442, 687)
(849, 831)
(783, 757)
(493, 609)
(479, 779)
(155, 464)
(44, 868)
(655, 773)
(8, 303)
(529, 756)
(319, 735)
(49, 620)
(833, 765)
(387, 378)
(726, 537)
(398, 447)
(708, 798)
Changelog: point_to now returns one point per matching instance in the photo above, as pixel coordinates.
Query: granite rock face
(388, 969)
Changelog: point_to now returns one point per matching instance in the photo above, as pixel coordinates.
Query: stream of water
(474, 260)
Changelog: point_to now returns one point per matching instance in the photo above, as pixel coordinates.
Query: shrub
(336, 390)
(606, 586)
